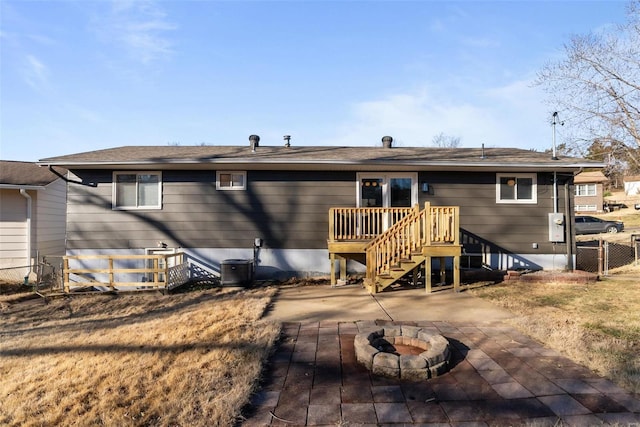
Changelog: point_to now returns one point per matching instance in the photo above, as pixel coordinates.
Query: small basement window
(231, 180)
(137, 190)
(516, 188)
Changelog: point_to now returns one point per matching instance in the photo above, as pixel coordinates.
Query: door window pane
(400, 192)
(371, 191)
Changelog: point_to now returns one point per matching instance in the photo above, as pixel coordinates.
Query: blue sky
(87, 75)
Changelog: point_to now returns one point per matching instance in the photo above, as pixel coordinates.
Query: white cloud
(141, 27)
(509, 116)
(36, 74)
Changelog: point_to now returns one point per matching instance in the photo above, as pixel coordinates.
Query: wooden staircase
(412, 242)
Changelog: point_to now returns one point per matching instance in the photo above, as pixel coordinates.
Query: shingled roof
(451, 158)
(14, 173)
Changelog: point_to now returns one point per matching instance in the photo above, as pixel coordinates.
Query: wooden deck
(393, 242)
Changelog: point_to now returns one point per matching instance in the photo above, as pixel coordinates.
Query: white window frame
(386, 180)
(534, 188)
(114, 192)
(586, 208)
(590, 190)
(232, 187)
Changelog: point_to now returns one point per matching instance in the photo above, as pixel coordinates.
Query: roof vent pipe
(387, 141)
(254, 142)
(482, 156)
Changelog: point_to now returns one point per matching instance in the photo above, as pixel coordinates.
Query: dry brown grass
(597, 325)
(185, 359)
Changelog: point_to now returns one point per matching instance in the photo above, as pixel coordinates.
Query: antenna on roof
(554, 156)
(287, 139)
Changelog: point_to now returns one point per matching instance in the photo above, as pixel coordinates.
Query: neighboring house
(632, 185)
(589, 192)
(235, 202)
(32, 215)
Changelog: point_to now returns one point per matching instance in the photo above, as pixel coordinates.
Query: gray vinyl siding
(288, 210)
(505, 227)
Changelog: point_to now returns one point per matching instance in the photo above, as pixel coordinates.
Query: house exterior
(589, 192)
(272, 203)
(32, 215)
(632, 185)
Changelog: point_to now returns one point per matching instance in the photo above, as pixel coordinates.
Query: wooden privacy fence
(119, 272)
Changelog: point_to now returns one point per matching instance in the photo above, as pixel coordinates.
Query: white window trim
(386, 177)
(114, 195)
(534, 189)
(586, 186)
(586, 208)
(232, 188)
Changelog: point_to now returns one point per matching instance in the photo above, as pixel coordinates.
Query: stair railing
(397, 243)
(432, 225)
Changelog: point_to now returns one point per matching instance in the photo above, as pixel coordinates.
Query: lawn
(597, 325)
(127, 360)
(195, 358)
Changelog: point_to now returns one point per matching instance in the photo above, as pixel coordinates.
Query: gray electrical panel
(556, 227)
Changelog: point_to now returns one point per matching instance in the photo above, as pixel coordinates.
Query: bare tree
(596, 86)
(445, 141)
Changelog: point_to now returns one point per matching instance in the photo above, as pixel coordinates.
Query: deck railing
(159, 271)
(358, 224)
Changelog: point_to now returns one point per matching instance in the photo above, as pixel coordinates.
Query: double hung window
(137, 190)
(585, 189)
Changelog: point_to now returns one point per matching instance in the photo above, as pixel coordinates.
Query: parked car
(590, 225)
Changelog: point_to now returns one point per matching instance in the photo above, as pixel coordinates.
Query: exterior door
(387, 190)
(384, 191)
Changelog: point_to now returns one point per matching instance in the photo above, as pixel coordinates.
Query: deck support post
(456, 273)
(343, 268)
(427, 274)
(332, 261)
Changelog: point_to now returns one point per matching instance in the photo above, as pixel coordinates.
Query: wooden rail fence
(118, 272)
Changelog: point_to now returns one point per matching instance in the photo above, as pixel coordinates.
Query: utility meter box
(556, 227)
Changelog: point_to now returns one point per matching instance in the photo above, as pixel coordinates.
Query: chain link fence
(45, 275)
(599, 256)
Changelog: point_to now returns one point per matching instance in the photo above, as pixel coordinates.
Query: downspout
(26, 195)
(568, 226)
(555, 192)
(569, 233)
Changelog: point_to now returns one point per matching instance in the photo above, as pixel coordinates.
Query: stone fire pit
(406, 352)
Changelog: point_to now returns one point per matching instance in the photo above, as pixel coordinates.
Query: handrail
(432, 225)
(358, 224)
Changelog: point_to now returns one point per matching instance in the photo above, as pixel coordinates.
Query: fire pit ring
(377, 351)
